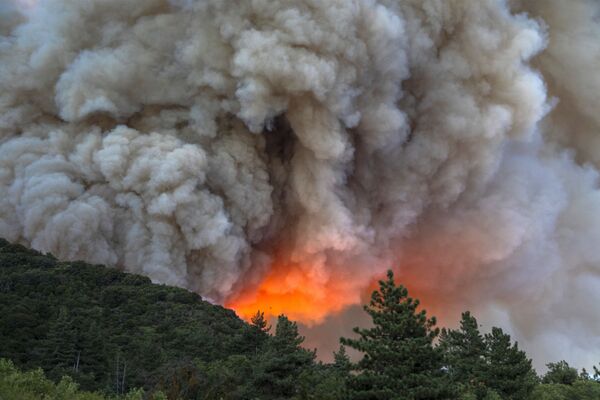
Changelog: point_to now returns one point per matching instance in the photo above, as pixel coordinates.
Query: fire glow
(298, 292)
(186, 140)
(307, 295)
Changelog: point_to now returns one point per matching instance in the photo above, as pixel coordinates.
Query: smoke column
(283, 154)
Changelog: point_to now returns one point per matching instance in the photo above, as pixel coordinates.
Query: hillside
(99, 324)
(96, 329)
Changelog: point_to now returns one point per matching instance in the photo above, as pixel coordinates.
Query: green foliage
(492, 395)
(341, 362)
(182, 379)
(33, 385)
(72, 325)
(509, 371)
(259, 323)
(579, 390)
(488, 394)
(323, 382)
(560, 373)
(326, 382)
(230, 379)
(399, 359)
(281, 362)
(108, 330)
(281, 369)
(596, 373)
(486, 367)
(465, 356)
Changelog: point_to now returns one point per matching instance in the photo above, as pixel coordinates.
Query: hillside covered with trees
(70, 330)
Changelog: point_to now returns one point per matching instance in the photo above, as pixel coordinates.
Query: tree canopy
(85, 332)
(399, 359)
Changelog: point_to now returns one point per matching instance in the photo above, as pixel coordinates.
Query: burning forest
(283, 155)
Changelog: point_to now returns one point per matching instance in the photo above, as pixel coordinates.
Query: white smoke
(191, 140)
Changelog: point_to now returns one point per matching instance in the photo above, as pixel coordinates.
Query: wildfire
(303, 293)
(309, 294)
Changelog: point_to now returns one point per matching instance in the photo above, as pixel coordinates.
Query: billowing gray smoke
(196, 141)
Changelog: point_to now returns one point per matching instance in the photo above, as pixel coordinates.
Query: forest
(71, 330)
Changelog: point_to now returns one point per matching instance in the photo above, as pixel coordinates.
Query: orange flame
(312, 290)
(310, 294)
(303, 293)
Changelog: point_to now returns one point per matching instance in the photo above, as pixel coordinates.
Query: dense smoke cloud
(311, 144)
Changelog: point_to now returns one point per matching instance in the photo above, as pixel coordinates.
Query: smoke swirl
(286, 153)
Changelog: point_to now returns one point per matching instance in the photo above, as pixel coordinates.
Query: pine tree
(465, 355)
(584, 375)
(60, 345)
(92, 361)
(560, 373)
(282, 361)
(399, 360)
(325, 381)
(257, 332)
(259, 322)
(509, 371)
(341, 361)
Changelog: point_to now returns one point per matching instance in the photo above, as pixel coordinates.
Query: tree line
(89, 332)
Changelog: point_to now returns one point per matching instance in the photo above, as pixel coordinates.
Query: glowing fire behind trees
(296, 292)
(455, 141)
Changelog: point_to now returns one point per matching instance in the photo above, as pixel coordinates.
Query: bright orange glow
(304, 293)
(308, 293)
(296, 292)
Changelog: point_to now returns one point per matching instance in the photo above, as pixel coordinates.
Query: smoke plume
(283, 154)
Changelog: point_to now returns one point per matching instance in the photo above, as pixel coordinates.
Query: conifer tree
(560, 372)
(509, 371)
(259, 322)
(257, 332)
(465, 355)
(61, 345)
(399, 360)
(282, 361)
(584, 375)
(326, 381)
(341, 361)
(92, 363)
